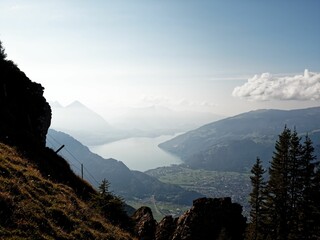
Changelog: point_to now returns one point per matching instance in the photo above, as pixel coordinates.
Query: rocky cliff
(25, 113)
(208, 218)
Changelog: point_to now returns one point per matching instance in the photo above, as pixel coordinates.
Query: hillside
(123, 182)
(232, 144)
(33, 206)
(40, 196)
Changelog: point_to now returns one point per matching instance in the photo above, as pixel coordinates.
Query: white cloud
(269, 87)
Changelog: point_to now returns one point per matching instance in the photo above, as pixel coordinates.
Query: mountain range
(84, 124)
(234, 143)
(90, 128)
(123, 181)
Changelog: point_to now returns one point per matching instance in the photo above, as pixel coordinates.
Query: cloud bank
(268, 87)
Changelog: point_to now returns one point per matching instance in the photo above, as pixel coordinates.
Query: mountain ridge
(123, 181)
(249, 135)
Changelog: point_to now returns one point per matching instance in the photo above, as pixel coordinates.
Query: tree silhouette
(257, 200)
(307, 203)
(3, 55)
(277, 201)
(290, 206)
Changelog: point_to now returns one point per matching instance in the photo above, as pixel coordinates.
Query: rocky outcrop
(208, 218)
(145, 225)
(25, 113)
(166, 228)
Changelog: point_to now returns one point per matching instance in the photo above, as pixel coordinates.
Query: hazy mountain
(124, 182)
(81, 122)
(91, 128)
(232, 144)
(155, 120)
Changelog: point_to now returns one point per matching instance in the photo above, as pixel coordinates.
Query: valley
(209, 183)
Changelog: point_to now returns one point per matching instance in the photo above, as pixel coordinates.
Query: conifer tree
(111, 206)
(277, 199)
(3, 55)
(294, 184)
(307, 201)
(316, 205)
(293, 190)
(257, 200)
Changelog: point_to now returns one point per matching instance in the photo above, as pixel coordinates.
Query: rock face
(25, 113)
(211, 219)
(166, 228)
(145, 225)
(208, 218)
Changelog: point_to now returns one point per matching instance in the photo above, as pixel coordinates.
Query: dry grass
(33, 207)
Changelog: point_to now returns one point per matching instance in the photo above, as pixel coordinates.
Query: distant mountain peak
(76, 104)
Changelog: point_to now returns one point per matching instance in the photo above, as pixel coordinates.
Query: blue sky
(182, 54)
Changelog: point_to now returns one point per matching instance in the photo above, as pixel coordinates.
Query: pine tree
(111, 206)
(290, 206)
(3, 55)
(294, 184)
(293, 191)
(277, 199)
(316, 205)
(257, 199)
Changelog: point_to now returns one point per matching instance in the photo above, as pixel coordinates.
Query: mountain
(232, 144)
(91, 128)
(157, 120)
(80, 121)
(123, 182)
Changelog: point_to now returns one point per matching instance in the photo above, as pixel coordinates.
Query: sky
(224, 57)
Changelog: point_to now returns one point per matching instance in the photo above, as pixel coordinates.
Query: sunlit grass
(33, 207)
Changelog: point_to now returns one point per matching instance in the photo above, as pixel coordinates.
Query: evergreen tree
(3, 55)
(111, 206)
(277, 199)
(257, 200)
(316, 205)
(294, 184)
(293, 190)
(305, 202)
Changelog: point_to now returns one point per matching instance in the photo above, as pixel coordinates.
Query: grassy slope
(34, 207)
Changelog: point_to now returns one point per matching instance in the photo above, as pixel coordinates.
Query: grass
(34, 207)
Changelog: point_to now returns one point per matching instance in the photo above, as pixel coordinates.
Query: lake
(139, 153)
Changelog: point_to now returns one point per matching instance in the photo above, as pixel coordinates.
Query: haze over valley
(160, 120)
